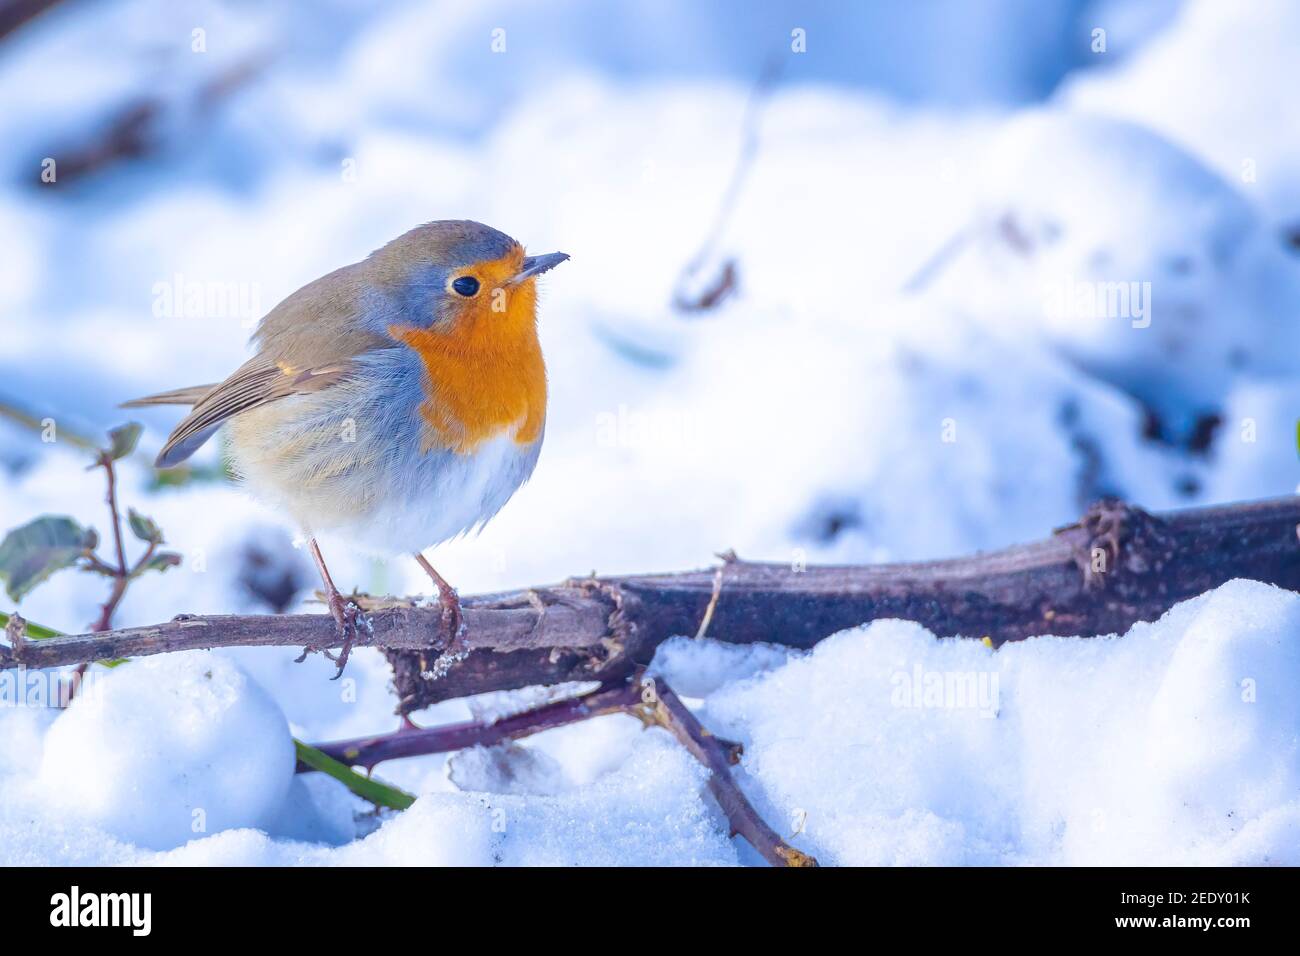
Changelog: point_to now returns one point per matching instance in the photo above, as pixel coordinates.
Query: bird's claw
(453, 618)
(349, 619)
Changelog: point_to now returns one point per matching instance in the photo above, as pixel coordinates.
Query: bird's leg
(345, 613)
(452, 616)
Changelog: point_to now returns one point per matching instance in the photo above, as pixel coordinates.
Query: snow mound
(649, 812)
(698, 667)
(165, 749)
(1132, 258)
(1221, 113)
(1176, 744)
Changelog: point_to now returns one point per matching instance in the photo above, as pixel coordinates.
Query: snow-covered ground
(1175, 743)
(967, 301)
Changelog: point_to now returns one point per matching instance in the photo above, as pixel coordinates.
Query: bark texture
(1116, 566)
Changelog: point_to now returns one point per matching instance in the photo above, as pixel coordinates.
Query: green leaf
(143, 527)
(30, 554)
(123, 440)
(185, 474)
(35, 631)
(159, 562)
(367, 788)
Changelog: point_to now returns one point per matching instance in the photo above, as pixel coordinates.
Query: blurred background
(850, 282)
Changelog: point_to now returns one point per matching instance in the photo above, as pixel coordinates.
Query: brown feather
(190, 395)
(304, 344)
(253, 384)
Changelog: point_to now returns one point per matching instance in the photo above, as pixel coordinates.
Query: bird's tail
(177, 396)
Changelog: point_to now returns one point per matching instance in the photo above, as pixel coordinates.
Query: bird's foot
(453, 619)
(349, 619)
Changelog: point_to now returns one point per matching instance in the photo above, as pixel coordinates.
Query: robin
(400, 400)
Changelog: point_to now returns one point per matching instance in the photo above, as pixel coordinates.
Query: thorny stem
(97, 564)
(120, 574)
(602, 629)
(412, 741)
(651, 701)
(1046, 587)
(667, 710)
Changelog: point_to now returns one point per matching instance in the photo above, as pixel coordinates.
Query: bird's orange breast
(485, 373)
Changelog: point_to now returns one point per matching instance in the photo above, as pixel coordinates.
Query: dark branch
(669, 712)
(368, 752)
(1117, 566)
(119, 573)
(653, 702)
(14, 13)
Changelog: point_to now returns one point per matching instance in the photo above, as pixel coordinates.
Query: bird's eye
(466, 286)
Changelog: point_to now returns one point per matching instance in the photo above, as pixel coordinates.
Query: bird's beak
(536, 265)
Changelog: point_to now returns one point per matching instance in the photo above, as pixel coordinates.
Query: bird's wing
(255, 383)
(305, 343)
(190, 395)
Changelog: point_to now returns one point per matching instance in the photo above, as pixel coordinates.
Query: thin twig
(669, 712)
(653, 703)
(703, 629)
(938, 261)
(689, 300)
(121, 573)
(144, 559)
(17, 12)
(25, 417)
(368, 752)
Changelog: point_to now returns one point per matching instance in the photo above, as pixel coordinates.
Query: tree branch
(668, 711)
(368, 752)
(651, 701)
(1118, 565)
(119, 573)
(14, 13)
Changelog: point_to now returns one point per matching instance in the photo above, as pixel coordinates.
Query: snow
(167, 747)
(835, 409)
(1203, 83)
(1132, 259)
(1174, 744)
(884, 745)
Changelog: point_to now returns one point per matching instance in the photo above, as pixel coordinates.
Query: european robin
(400, 399)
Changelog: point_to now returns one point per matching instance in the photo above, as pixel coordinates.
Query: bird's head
(461, 279)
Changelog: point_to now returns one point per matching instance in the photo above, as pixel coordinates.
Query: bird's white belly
(444, 496)
(353, 461)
